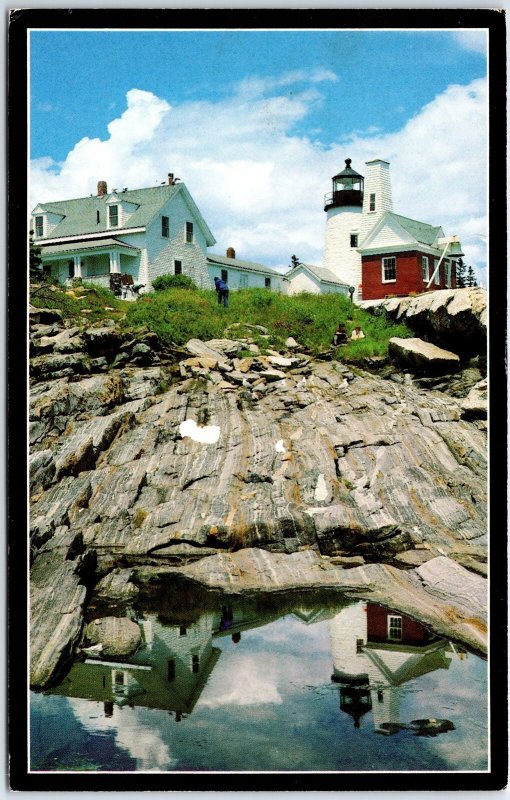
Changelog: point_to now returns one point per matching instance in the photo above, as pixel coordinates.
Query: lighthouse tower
(344, 206)
(348, 635)
(353, 207)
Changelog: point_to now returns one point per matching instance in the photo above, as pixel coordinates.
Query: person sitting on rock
(357, 333)
(340, 336)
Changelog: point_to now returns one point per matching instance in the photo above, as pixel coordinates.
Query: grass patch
(97, 302)
(179, 314)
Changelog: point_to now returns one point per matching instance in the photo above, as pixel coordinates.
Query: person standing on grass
(222, 287)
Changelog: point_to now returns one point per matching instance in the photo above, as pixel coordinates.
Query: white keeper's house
(141, 233)
(129, 237)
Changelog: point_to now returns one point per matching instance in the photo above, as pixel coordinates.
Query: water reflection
(258, 687)
(375, 651)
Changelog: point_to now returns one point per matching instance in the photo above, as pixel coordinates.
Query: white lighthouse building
(353, 207)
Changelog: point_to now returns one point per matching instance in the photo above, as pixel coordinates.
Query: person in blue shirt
(222, 289)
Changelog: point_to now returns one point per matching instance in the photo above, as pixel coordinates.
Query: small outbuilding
(317, 280)
(241, 274)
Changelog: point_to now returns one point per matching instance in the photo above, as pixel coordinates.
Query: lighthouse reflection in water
(308, 685)
(375, 651)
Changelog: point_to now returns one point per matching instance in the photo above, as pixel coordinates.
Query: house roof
(80, 215)
(94, 244)
(421, 231)
(321, 273)
(418, 232)
(236, 263)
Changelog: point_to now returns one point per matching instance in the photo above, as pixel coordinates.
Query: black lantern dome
(355, 697)
(347, 188)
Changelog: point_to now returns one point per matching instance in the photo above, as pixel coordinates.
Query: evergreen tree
(460, 274)
(470, 277)
(35, 259)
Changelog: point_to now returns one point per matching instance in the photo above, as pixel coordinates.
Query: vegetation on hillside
(83, 302)
(178, 314)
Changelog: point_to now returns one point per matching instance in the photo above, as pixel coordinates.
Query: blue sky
(272, 112)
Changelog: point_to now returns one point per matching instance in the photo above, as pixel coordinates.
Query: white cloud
(247, 685)
(257, 86)
(140, 739)
(475, 40)
(260, 185)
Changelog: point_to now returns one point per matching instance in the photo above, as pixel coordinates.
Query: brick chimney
(102, 188)
(231, 253)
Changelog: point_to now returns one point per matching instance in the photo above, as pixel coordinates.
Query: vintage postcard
(253, 268)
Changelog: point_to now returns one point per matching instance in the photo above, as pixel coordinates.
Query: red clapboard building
(377, 252)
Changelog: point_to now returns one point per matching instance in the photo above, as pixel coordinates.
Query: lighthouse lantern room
(347, 188)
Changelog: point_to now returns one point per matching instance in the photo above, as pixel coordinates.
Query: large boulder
(452, 318)
(422, 357)
(474, 406)
(119, 636)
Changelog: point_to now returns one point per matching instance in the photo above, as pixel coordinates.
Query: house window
(224, 275)
(171, 670)
(243, 281)
(98, 218)
(354, 239)
(425, 268)
(182, 630)
(447, 274)
(113, 216)
(177, 267)
(394, 629)
(189, 232)
(437, 273)
(195, 664)
(70, 267)
(267, 283)
(39, 226)
(372, 202)
(165, 227)
(389, 269)
(359, 645)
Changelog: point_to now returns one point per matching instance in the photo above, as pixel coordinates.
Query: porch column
(77, 267)
(114, 261)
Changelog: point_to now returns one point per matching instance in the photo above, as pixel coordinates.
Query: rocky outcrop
(441, 593)
(422, 357)
(452, 318)
(280, 470)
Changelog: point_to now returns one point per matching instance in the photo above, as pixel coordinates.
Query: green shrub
(163, 282)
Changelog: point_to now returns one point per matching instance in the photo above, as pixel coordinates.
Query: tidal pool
(249, 687)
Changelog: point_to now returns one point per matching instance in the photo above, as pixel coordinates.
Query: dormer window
(39, 226)
(113, 216)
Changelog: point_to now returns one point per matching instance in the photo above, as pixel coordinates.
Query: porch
(109, 263)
